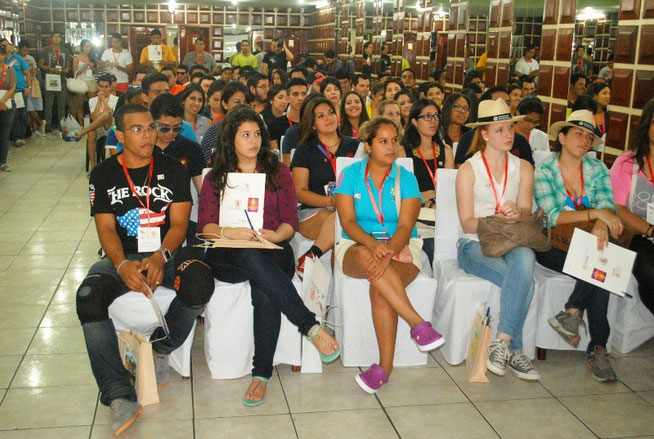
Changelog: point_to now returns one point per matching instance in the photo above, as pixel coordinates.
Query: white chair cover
(133, 311)
(229, 335)
(633, 324)
(460, 294)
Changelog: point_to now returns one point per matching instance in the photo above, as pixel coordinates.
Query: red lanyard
(331, 157)
(57, 55)
(379, 212)
(290, 122)
(116, 57)
(4, 75)
(492, 181)
(355, 133)
(146, 206)
(649, 166)
(576, 201)
(601, 128)
(431, 174)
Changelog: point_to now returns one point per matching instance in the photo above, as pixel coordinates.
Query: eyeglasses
(429, 117)
(166, 128)
(533, 122)
(181, 73)
(140, 129)
(461, 109)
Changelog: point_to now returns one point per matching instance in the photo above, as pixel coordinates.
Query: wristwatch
(165, 253)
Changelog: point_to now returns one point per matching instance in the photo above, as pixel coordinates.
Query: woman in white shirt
(495, 182)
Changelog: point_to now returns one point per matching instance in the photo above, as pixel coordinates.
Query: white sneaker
(19, 143)
(5, 168)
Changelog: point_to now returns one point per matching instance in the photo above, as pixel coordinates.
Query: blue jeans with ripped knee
(513, 273)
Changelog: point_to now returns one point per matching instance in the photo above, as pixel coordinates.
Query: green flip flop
(249, 402)
(324, 358)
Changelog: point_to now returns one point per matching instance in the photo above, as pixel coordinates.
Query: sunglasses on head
(166, 128)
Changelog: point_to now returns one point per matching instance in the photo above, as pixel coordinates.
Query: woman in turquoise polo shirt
(381, 244)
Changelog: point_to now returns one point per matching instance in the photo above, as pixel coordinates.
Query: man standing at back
(277, 58)
(118, 62)
(167, 55)
(200, 57)
(244, 57)
(55, 62)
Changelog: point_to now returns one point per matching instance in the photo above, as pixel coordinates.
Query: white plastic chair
(355, 331)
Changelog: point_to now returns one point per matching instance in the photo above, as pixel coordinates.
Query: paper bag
(36, 89)
(136, 354)
(315, 295)
(478, 347)
(52, 82)
(8, 103)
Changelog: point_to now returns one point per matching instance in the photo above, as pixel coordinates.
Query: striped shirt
(550, 193)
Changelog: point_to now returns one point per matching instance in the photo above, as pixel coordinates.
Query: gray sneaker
(521, 365)
(567, 326)
(5, 168)
(123, 414)
(599, 365)
(161, 368)
(498, 356)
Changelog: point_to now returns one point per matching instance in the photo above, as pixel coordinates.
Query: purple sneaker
(426, 337)
(372, 379)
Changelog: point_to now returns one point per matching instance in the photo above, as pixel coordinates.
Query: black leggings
(270, 273)
(644, 269)
(585, 297)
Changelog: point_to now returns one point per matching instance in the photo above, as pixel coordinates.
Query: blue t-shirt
(20, 66)
(351, 182)
(187, 131)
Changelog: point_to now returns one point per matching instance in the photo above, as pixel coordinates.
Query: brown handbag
(499, 235)
(562, 234)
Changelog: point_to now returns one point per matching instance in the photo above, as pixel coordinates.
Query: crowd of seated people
(174, 120)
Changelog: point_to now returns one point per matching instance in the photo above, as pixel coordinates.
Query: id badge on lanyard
(149, 239)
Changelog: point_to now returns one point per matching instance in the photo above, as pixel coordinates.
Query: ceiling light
(322, 4)
(172, 6)
(591, 14)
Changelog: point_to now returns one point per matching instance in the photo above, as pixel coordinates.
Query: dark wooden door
(139, 37)
(296, 41)
(187, 36)
(441, 50)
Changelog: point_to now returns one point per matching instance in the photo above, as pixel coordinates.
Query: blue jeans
(103, 285)
(513, 273)
(6, 119)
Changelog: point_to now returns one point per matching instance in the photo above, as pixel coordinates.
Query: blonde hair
(478, 142)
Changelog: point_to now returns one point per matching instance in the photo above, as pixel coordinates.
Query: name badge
(58, 67)
(381, 236)
(89, 74)
(149, 239)
(650, 213)
(329, 188)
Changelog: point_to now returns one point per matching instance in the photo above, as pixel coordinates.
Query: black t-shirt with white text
(109, 192)
(275, 60)
(278, 127)
(308, 155)
(187, 152)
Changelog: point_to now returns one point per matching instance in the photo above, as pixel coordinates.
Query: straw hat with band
(493, 112)
(581, 119)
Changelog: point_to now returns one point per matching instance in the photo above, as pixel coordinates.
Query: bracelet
(120, 265)
(222, 230)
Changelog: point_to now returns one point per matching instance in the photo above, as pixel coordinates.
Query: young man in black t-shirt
(277, 58)
(167, 112)
(297, 91)
(140, 202)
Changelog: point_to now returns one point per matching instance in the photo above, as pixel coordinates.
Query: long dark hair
(346, 127)
(225, 159)
(411, 138)
(308, 118)
(640, 140)
(446, 115)
(190, 89)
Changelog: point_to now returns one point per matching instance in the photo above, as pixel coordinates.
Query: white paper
(609, 269)
(149, 239)
(243, 192)
(18, 99)
(155, 54)
(52, 82)
(650, 213)
(8, 101)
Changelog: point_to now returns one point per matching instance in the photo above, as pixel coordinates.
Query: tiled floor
(47, 242)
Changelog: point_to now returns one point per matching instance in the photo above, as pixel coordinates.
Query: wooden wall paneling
(625, 45)
(507, 13)
(449, 68)
(460, 45)
(545, 119)
(617, 130)
(564, 44)
(648, 9)
(548, 41)
(458, 72)
(179, 17)
(205, 18)
(561, 82)
(490, 77)
(192, 18)
(502, 73)
(451, 44)
(493, 40)
(633, 124)
(454, 14)
(545, 80)
(152, 16)
(165, 17)
(557, 114)
(621, 87)
(551, 12)
(494, 19)
(629, 9)
(505, 44)
(568, 10)
(646, 55)
(644, 88)
(462, 17)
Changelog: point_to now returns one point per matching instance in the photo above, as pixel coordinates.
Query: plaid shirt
(550, 193)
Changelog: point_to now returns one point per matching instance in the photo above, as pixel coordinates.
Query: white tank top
(484, 198)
